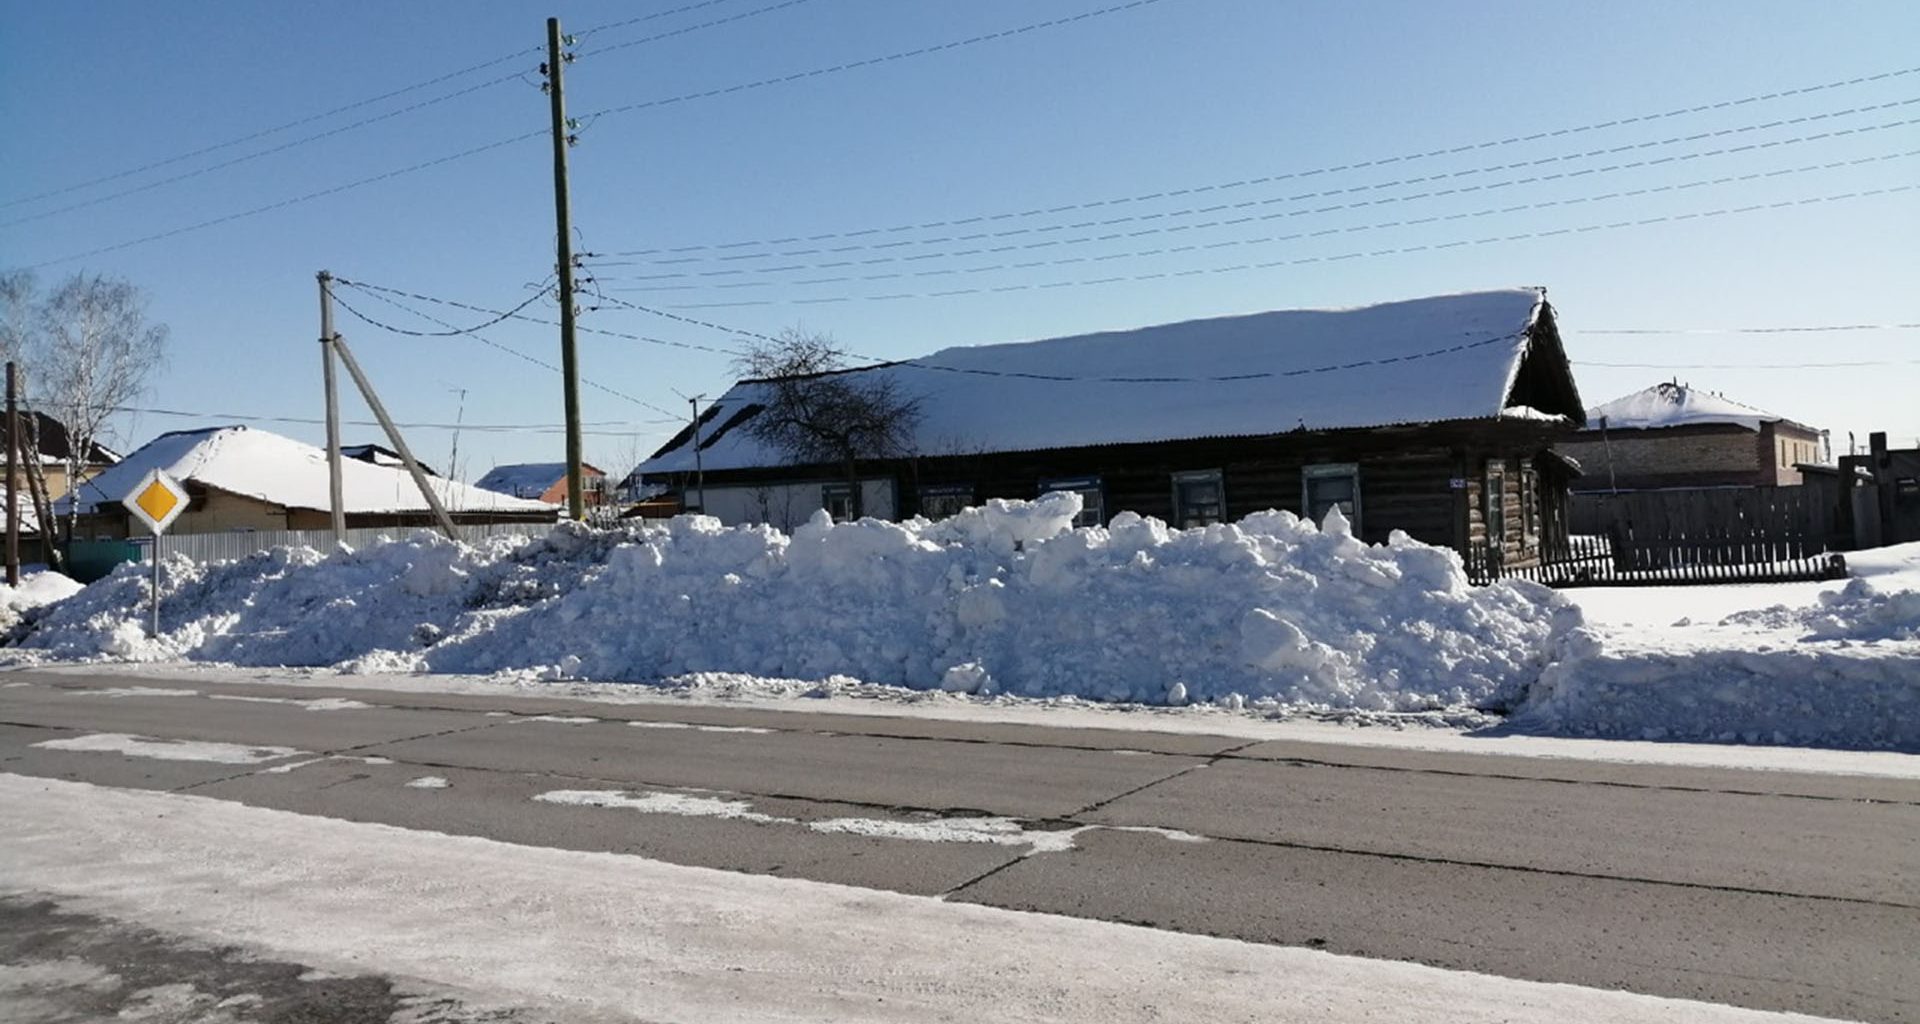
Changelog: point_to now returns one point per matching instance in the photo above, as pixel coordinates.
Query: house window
(1198, 498)
(1529, 505)
(1093, 508)
(837, 499)
(1328, 486)
(1494, 503)
(939, 502)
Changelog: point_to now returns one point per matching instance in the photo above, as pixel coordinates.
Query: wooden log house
(1434, 416)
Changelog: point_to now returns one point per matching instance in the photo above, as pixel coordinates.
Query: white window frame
(1329, 471)
(1195, 476)
(828, 492)
(1093, 497)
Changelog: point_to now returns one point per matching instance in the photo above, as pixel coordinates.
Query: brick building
(1676, 435)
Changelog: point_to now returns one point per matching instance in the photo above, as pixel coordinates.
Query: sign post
(157, 500)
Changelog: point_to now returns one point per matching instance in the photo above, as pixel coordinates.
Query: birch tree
(91, 350)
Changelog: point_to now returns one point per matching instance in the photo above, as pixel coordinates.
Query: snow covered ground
(606, 936)
(1270, 617)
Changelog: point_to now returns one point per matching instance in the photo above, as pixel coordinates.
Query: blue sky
(1170, 96)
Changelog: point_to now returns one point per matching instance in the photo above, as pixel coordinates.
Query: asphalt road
(1770, 890)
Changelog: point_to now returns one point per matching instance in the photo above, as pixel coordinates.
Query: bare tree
(91, 350)
(819, 412)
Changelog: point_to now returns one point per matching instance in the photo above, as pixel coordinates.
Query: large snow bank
(35, 591)
(1006, 598)
(1836, 667)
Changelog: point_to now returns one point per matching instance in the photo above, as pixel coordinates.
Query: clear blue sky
(1172, 95)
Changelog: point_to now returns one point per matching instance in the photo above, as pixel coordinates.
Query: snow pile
(1839, 667)
(1006, 598)
(35, 591)
(1859, 611)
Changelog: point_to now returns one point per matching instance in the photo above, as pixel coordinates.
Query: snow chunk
(169, 750)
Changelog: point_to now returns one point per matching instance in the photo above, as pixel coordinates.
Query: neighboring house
(543, 481)
(240, 478)
(1435, 416)
(1676, 435)
(380, 455)
(51, 437)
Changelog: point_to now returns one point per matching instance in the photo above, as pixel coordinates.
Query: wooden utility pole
(563, 227)
(335, 498)
(699, 470)
(393, 434)
(13, 479)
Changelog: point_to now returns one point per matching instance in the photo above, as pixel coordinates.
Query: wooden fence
(1691, 535)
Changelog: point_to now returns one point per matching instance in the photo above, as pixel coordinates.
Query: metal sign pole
(156, 586)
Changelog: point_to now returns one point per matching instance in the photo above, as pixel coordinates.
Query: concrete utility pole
(563, 226)
(334, 488)
(13, 479)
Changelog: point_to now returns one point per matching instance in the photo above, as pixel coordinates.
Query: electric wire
(376, 291)
(1162, 275)
(345, 108)
(715, 23)
(504, 428)
(1206, 246)
(871, 61)
(1249, 204)
(1290, 175)
(296, 200)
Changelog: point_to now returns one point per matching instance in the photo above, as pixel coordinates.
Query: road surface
(1759, 889)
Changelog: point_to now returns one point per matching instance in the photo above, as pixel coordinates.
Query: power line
(1290, 175)
(1198, 247)
(452, 331)
(534, 428)
(309, 197)
(871, 61)
(1249, 204)
(382, 294)
(1304, 260)
(1752, 366)
(346, 108)
(248, 157)
(769, 9)
(1749, 330)
(546, 323)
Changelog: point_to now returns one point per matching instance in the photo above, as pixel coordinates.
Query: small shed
(543, 481)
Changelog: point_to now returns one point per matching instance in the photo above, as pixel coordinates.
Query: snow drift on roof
(1672, 404)
(285, 472)
(523, 479)
(1450, 357)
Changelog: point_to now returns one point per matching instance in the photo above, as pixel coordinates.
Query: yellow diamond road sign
(157, 500)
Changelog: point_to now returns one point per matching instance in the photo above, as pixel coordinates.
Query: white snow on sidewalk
(1816, 664)
(608, 934)
(170, 750)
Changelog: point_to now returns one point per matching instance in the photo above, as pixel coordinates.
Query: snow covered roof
(264, 465)
(1450, 357)
(54, 444)
(1672, 404)
(529, 479)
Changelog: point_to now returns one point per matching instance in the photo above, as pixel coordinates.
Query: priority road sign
(157, 500)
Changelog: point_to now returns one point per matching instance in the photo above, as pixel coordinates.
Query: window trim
(1194, 476)
(924, 491)
(1096, 513)
(1327, 471)
(1531, 507)
(830, 491)
(1493, 502)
